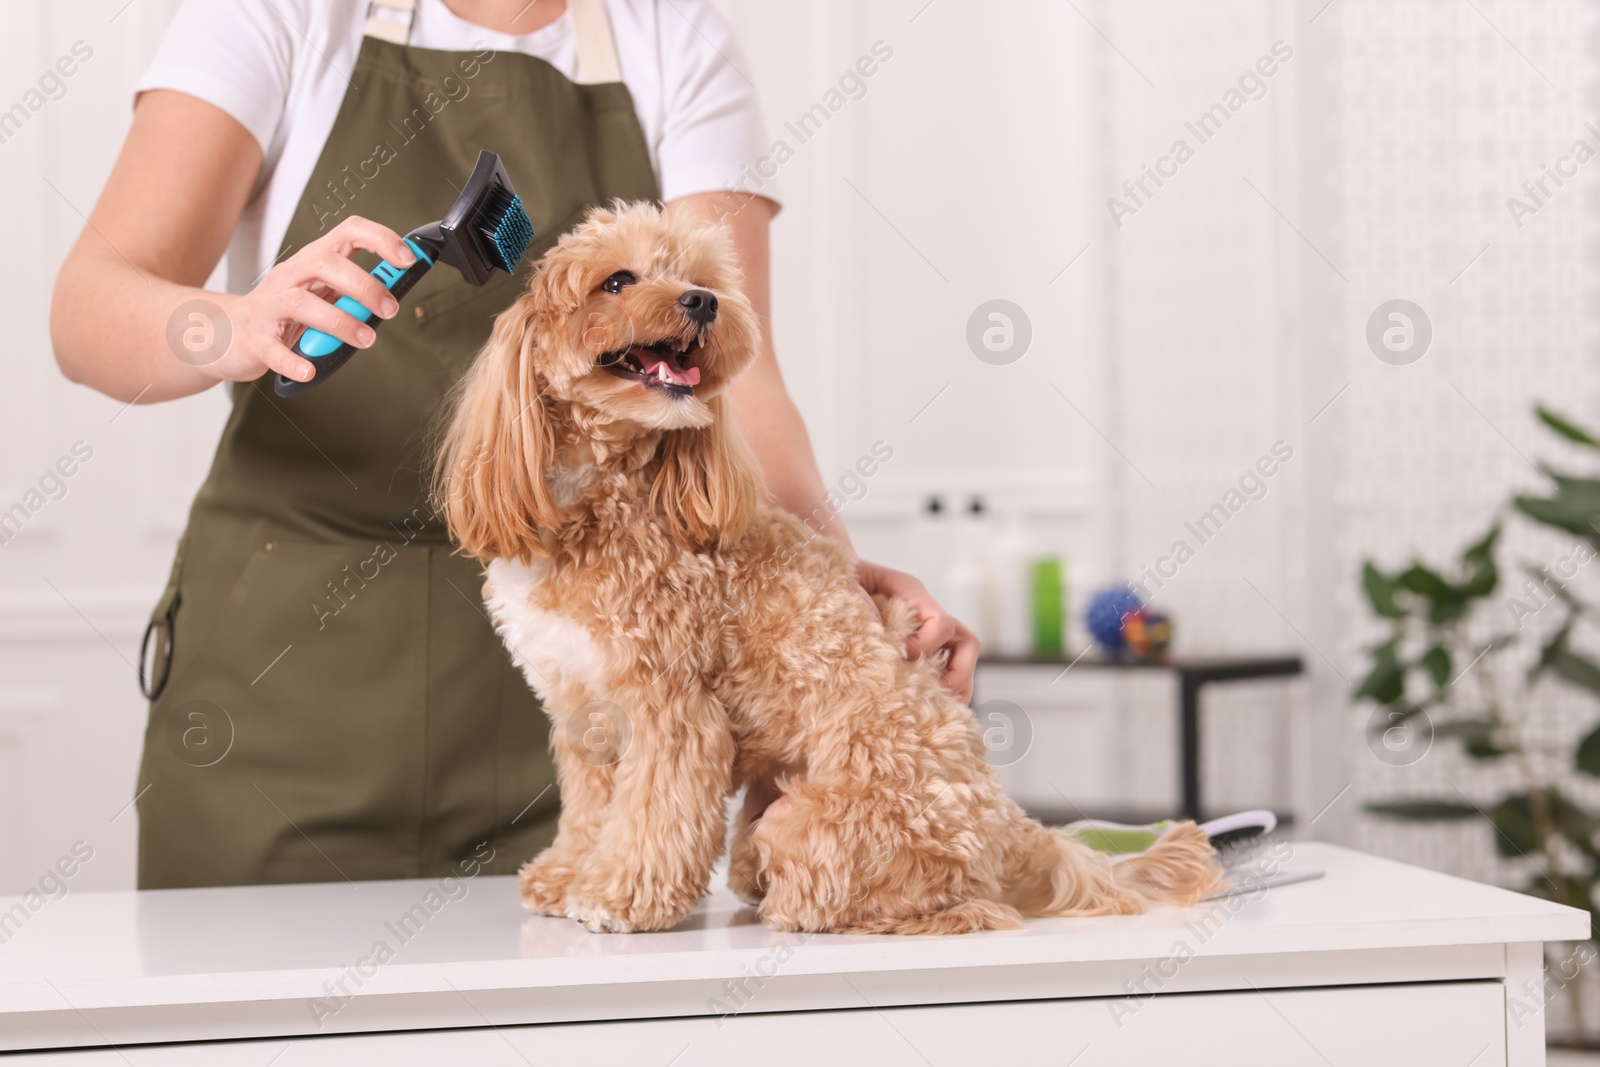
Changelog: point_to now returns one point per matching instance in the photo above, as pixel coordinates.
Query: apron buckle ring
(161, 665)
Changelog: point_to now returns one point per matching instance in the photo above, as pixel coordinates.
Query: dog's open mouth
(657, 366)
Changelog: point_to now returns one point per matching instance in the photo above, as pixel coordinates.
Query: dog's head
(637, 317)
(631, 329)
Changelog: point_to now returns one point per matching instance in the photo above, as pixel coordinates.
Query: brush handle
(326, 352)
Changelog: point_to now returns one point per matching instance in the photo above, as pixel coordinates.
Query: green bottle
(1049, 607)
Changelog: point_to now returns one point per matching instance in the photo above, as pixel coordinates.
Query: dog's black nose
(699, 305)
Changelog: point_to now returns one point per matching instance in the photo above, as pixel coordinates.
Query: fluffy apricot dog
(688, 638)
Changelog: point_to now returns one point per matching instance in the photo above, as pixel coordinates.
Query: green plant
(1469, 666)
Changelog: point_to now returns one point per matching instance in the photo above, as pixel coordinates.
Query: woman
(328, 699)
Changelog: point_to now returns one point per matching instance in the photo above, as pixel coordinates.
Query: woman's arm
(162, 223)
(777, 435)
(767, 416)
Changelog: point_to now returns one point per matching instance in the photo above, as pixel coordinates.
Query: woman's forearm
(767, 416)
(121, 332)
(777, 436)
(129, 317)
(161, 223)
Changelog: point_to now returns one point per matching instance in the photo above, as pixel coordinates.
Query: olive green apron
(329, 699)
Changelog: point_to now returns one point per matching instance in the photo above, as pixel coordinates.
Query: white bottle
(1010, 559)
(928, 553)
(965, 577)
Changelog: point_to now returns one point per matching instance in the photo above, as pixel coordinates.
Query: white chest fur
(556, 654)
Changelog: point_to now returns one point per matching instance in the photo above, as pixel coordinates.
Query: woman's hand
(937, 629)
(299, 293)
(131, 316)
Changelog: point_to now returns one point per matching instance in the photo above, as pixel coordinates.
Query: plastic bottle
(929, 551)
(965, 577)
(1009, 556)
(1049, 606)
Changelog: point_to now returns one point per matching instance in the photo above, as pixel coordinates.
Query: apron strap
(597, 48)
(390, 20)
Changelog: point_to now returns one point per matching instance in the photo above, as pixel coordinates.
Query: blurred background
(1158, 336)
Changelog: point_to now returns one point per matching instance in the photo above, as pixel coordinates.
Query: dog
(689, 639)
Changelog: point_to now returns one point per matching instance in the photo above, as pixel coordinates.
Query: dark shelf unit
(1194, 673)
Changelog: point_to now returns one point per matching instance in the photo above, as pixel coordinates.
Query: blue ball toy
(1105, 616)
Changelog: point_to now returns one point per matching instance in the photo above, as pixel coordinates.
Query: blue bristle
(512, 234)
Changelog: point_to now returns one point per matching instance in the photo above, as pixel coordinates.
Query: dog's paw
(544, 885)
(746, 872)
(612, 918)
(646, 908)
(596, 918)
(745, 882)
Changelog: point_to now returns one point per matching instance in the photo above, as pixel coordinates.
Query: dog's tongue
(653, 364)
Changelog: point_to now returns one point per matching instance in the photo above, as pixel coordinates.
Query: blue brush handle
(314, 344)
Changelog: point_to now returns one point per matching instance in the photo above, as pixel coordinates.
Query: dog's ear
(490, 479)
(706, 484)
(562, 281)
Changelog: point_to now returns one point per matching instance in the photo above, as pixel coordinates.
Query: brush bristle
(505, 223)
(1235, 847)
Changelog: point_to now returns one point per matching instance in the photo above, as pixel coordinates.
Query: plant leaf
(1587, 758)
(1446, 603)
(1423, 810)
(1562, 512)
(1481, 582)
(1550, 650)
(1480, 550)
(1568, 816)
(1464, 728)
(1577, 669)
(1386, 682)
(1380, 592)
(1566, 428)
(1424, 582)
(1482, 748)
(1478, 562)
(1582, 492)
(1513, 823)
(1437, 663)
(1448, 610)
(1476, 735)
(1574, 824)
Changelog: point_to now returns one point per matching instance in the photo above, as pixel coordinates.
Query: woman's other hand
(937, 629)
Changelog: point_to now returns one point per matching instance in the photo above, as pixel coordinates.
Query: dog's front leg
(584, 770)
(663, 828)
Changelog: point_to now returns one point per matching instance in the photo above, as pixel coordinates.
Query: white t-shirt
(281, 68)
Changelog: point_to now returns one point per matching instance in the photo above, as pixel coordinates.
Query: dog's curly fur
(688, 638)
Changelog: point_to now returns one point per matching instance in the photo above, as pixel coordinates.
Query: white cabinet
(1444, 1024)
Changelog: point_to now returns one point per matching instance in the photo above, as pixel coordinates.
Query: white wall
(964, 174)
(77, 583)
(1206, 364)
(1453, 118)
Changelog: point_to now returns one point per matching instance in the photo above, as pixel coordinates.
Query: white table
(1377, 963)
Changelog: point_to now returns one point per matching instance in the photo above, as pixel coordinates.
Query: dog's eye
(615, 283)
